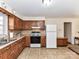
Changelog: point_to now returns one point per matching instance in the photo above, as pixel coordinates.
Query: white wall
(60, 26)
(33, 18)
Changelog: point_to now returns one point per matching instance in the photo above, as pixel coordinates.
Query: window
(3, 24)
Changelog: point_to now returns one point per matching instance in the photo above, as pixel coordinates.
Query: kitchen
(18, 34)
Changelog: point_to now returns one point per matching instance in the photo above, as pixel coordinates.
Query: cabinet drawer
(0, 56)
(6, 48)
(62, 42)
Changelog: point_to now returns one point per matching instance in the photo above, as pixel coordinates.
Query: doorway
(68, 30)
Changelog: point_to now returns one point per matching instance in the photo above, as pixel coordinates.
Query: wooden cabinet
(27, 25)
(62, 41)
(12, 51)
(24, 42)
(15, 23)
(41, 24)
(6, 52)
(43, 41)
(18, 23)
(27, 41)
(11, 22)
(0, 54)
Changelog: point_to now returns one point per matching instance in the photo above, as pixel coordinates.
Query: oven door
(35, 39)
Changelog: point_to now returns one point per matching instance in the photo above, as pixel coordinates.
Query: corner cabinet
(13, 50)
(15, 23)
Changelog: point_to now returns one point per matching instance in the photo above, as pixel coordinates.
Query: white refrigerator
(51, 36)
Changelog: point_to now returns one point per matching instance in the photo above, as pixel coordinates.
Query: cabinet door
(43, 41)
(11, 22)
(34, 23)
(27, 41)
(21, 24)
(41, 24)
(12, 56)
(1, 56)
(6, 53)
(60, 42)
(65, 42)
(27, 25)
(24, 42)
(16, 23)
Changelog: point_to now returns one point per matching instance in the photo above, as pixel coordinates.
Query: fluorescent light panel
(47, 2)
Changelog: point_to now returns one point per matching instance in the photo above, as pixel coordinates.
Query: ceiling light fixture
(47, 2)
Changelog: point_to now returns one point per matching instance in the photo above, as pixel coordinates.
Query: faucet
(6, 37)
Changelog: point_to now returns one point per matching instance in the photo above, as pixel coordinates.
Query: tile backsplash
(15, 34)
(25, 33)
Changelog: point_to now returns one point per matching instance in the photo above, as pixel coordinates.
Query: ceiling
(34, 8)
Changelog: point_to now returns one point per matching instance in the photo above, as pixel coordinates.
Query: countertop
(5, 45)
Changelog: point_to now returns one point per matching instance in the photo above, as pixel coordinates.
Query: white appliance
(51, 36)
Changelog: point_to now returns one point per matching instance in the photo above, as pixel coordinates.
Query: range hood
(35, 27)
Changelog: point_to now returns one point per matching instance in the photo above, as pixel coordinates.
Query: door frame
(71, 30)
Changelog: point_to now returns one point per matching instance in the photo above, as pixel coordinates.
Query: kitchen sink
(12, 39)
(5, 41)
(2, 42)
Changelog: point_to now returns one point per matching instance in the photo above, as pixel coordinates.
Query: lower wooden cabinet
(43, 41)
(28, 41)
(6, 52)
(0, 56)
(24, 42)
(62, 41)
(12, 51)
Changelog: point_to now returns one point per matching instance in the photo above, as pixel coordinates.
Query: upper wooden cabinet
(11, 22)
(18, 23)
(15, 23)
(29, 24)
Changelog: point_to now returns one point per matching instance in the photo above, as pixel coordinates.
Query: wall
(60, 26)
(33, 18)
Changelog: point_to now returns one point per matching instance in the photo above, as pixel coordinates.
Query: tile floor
(43, 53)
